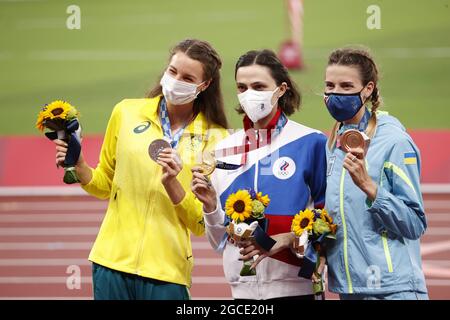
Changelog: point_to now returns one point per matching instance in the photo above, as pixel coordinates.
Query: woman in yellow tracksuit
(143, 248)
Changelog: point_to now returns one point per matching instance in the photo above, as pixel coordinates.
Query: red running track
(44, 244)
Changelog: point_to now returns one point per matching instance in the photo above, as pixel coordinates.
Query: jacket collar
(198, 126)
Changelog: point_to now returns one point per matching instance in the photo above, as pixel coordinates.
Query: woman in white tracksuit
(289, 168)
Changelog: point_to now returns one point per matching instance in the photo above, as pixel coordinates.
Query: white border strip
(433, 188)
(427, 188)
(42, 191)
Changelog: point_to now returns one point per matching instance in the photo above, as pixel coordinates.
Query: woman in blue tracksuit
(373, 196)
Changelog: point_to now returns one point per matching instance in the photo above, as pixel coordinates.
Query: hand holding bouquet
(246, 208)
(311, 228)
(60, 119)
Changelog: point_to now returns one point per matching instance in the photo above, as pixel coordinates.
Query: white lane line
(435, 188)
(201, 245)
(434, 247)
(88, 280)
(53, 217)
(84, 262)
(63, 231)
(31, 280)
(208, 261)
(87, 217)
(45, 245)
(44, 262)
(102, 205)
(427, 188)
(95, 216)
(57, 231)
(53, 205)
(208, 280)
(42, 191)
(73, 246)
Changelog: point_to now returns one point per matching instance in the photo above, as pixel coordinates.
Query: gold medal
(208, 164)
(156, 147)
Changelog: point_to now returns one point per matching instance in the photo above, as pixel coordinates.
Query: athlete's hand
(171, 164)
(355, 164)
(249, 249)
(203, 190)
(61, 152)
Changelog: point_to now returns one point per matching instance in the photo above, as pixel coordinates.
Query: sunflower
(40, 120)
(302, 221)
(239, 206)
(263, 199)
(326, 217)
(58, 109)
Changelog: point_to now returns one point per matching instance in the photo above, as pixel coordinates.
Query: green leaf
(246, 271)
(70, 175)
(320, 227)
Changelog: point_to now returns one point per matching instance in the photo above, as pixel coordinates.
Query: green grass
(122, 48)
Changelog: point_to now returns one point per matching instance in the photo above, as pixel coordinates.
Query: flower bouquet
(60, 118)
(246, 208)
(311, 228)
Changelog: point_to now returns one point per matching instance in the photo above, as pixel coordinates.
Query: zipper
(384, 239)
(139, 252)
(255, 181)
(255, 187)
(344, 226)
(387, 252)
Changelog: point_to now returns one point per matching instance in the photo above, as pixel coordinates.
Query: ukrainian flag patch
(410, 158)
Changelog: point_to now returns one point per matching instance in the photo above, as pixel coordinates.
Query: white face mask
(178, 92)
(256, 104)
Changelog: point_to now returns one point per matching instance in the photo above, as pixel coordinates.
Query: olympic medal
(156, 147)
(208, 164)
(352, 139)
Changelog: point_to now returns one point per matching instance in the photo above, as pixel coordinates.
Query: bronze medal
(156, 147)
(352, 139)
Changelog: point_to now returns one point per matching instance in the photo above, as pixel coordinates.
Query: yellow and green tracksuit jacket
(143, 233)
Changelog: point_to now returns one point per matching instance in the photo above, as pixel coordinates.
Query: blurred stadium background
(120, 51)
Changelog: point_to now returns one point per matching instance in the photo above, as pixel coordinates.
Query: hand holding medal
(156, 147)
(354, 139)
(208, 164)
(162, 153)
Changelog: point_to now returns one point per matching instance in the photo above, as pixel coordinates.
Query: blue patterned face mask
(343, 106)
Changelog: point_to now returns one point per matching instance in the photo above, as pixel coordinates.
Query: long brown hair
(210, 101)
(368, 71)
(291, 100)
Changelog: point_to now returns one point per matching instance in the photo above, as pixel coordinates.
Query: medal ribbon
(165, 123)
